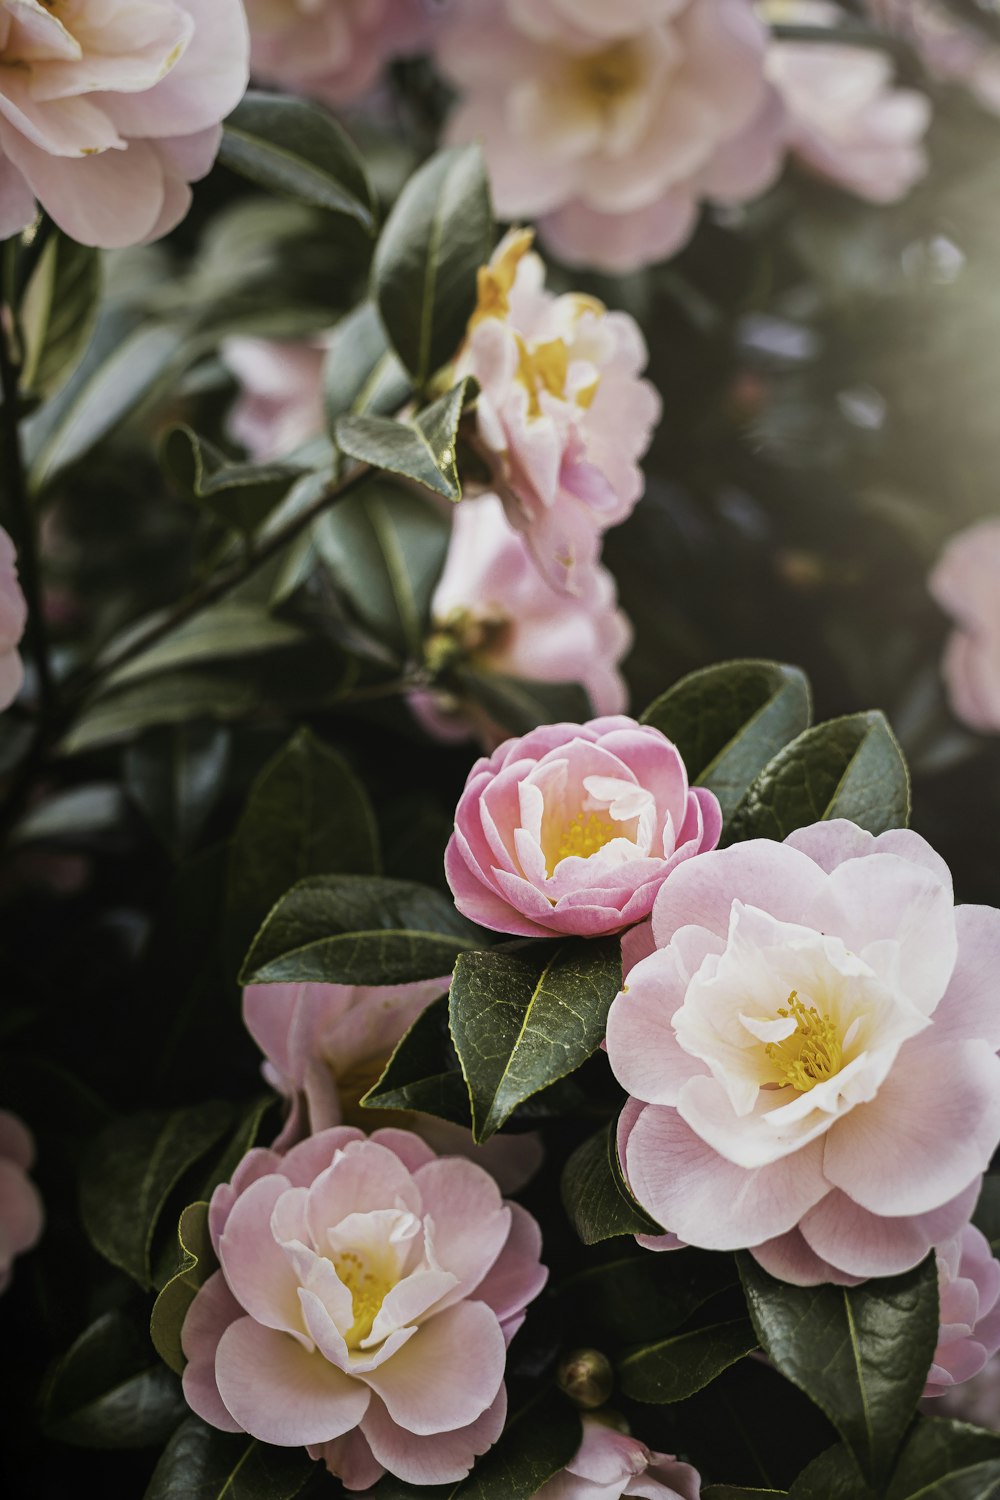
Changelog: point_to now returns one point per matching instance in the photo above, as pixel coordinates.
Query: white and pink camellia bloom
(367, 1293)
(611, 124)
(969, 1287)
(562, 410)
(811, 1054)
(574, 828)
(21, 1217)
(110, 108)
(491, 611)
(13, 618)
(846, 120)
(609, 1464)
(280, 404)
(966, 584)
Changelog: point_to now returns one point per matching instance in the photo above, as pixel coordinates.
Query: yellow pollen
(542, 368)
(495, 281)
(367, 1290)
(812, 1053)
(609, 74)
(585, 835)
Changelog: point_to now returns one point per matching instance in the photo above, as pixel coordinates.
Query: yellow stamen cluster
(812, 1053)
(585, 835)
(610, 74)
(367, 1291)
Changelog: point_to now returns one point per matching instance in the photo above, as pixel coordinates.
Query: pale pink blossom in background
(611, 125)
(610, 1464)
(326, 1045)
(966, 584)
(951, 50)
(846, 120)
(21, 1216)
(333, 50)
(574, 828)
(969, 1285)
(13, 617)
(280, 404)
(109, 108)
(562, 409)
(367, 1292)
(976, 1401)
(492, 611)
(811, 1053)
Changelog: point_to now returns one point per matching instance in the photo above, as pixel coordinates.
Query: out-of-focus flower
(13, 617)
(950, 50)
(969, 1285)
(562, 409)
(609, 1464)
(333, 50)
(366, 1295)
(966, 584)
(846, 121)
(574, 828)
(281, 394)
(21, 1216)
(976, 1401)
(110, 108)
(811, 1053)
(493, 612)
(609, 124)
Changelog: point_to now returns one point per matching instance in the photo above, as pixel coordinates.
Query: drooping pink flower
(966, 584)
(609, 1464)
(574, 828)
(492, 611)
(326, 1045)
(281, 394)
(811, 1053)
(333, 50)
(366, 1295)
(562, 409)
(846, 121)
(969, 1286)
(13, 617)
(21, 1216)
(610, 125)
(109, 108)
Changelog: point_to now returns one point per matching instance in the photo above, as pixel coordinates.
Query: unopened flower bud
(587, 1377)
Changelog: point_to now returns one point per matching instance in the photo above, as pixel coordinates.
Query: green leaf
(239, 495)
(420, 1075)
(78, 813)
(639, 1297)
(129, 1172)
(674, 1368)
(197, 1262)
(595, 1195)
(525, 1015)
(58, 311)
(728, 721)
(847, 768)
(175, 775)
(361, 372)
(860, 1353)
(385, 547)
(110, 1391)
(292, 147)
(832, 1476)
(439, 233)
(944, 1460)
(420, 448)
(735, 1492)
(200, 1463)
(345, 929)
(226, 632)
(519, 706)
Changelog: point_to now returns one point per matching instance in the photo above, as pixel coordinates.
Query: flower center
(368, 1292)
(608, 76)
(584, 835)
(812, 1053)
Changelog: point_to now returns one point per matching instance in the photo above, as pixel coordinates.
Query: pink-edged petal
(351, 1459)
(304, 1162)
(470, 1222)
(861, 1243)
(700, 892)
(408, 1301)
(790, 1258)
(411, 1150)
(517, 1276)
(259, 1273)
(438, 1458)
(447, 1374)
(281, 1394)
(363, 1178)
(111, 199)
(259, 1162)
(208, 1317)
(970, 1006)
(643, 1049)
(637, 944)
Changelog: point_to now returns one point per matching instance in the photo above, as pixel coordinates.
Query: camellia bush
(499, 760)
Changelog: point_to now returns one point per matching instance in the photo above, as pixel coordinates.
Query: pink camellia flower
(574, 828)
(13, 617)
(609, 1464)
(21, 1215)
(281, 398)
(562, 410)
(611, 124)
(966, 584)
(846, 121)
(366, 1295)
(109, 108)
(969, 1282)
(333, 50)
(491, 611)
(811, 1054)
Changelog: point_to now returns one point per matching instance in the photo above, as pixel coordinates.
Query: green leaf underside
(197, 1262)
(421, 448)
(239, 495)
(595, 1195)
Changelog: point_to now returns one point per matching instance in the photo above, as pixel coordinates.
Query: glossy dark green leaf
(439, 233)
(639, 1297)
(200, 1463)
(421, 1075)
(343, 929)
(519, 706)
(525, 1015)
(362, 372)
(175, 775)
(130, 1171)
(595, 1195)
(944, 1460)
(834, 1475)
(292, 147)
(58, 311)
(239, 495)
(736, 1492)
(860, 1353)
(673, 1368)
(420, 448)
(728, 722)
(846, 768)
(195, 1264)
